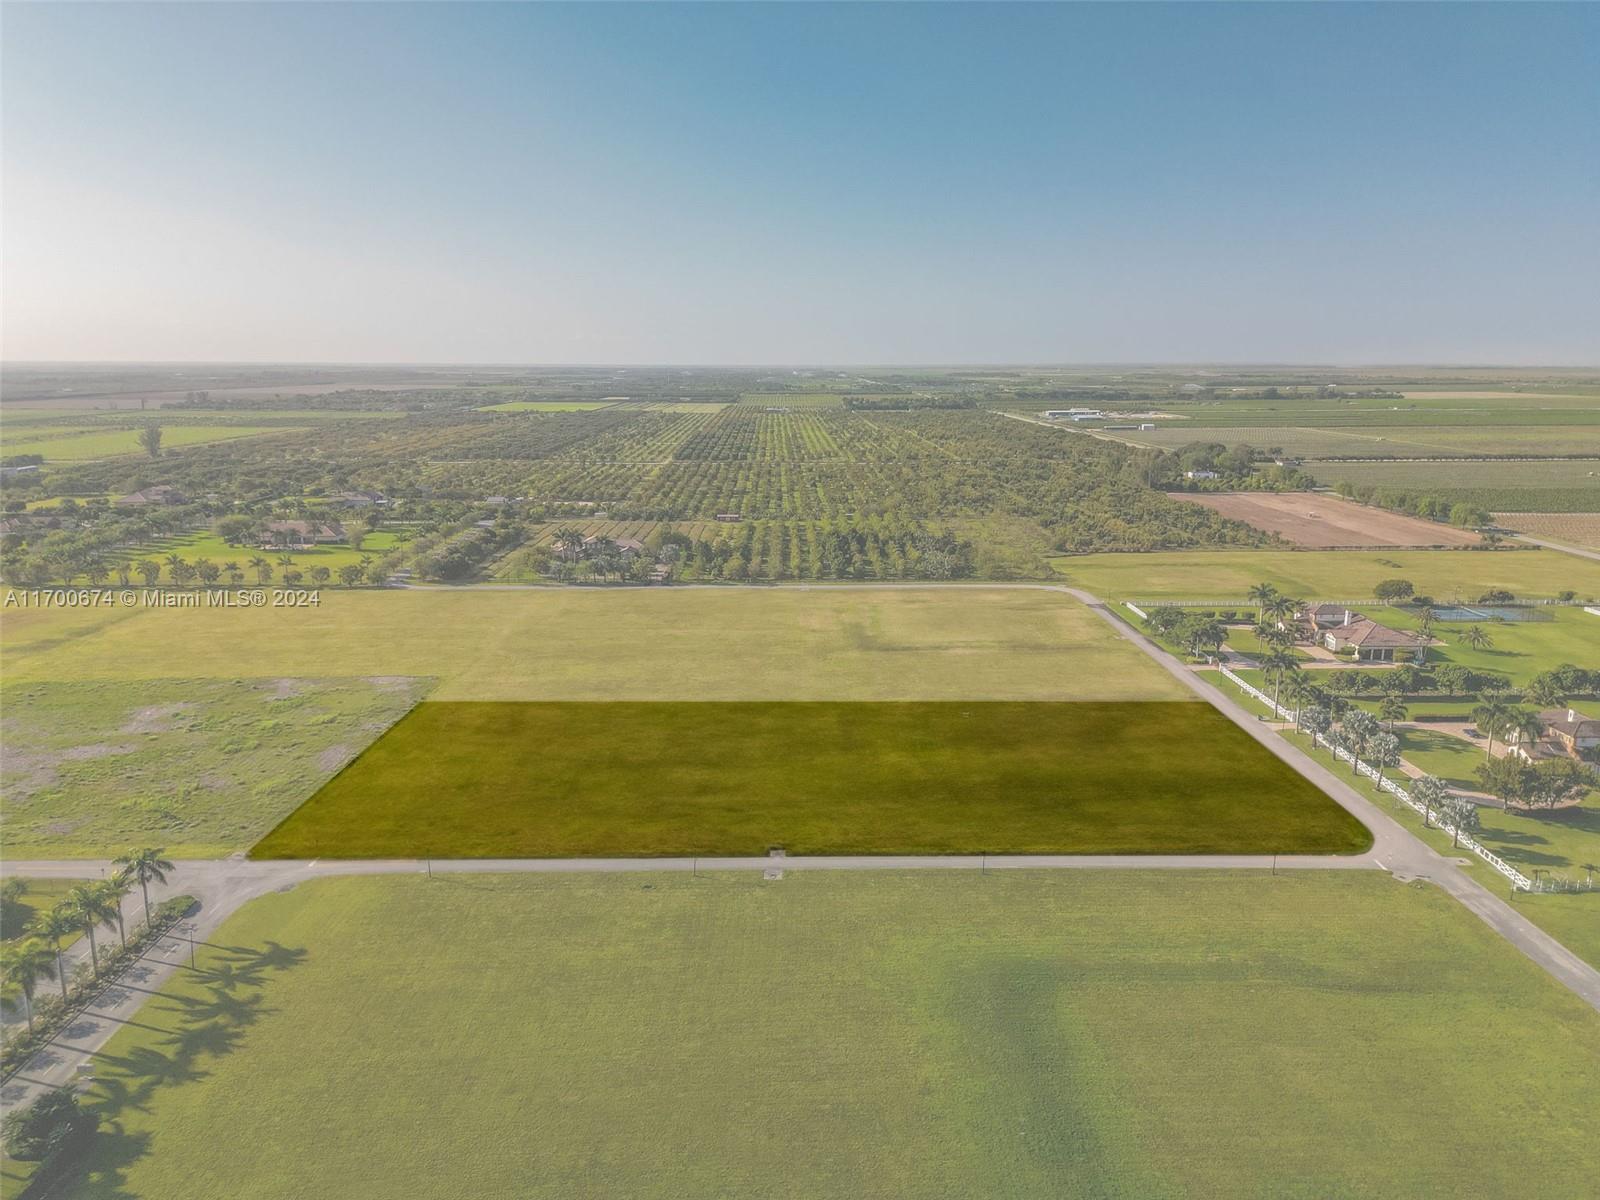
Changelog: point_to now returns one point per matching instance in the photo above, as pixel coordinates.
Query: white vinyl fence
(1518, 880)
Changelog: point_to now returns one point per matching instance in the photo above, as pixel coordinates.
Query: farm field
(86, 445)
(885, 1035)
(1536, 485)
(200, 766)
(793, 399)
(657, 644)
(544, 406)
(1572, 529)
(1328, 574)
(563, 780)
(1319, 521)
(1386, 441)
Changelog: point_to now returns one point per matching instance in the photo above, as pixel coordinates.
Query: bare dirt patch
(333, 757)
(157, 718)
(1328, 522)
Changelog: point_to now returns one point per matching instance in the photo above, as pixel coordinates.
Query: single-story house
(161, 493)
(1311, 620)
(1370, 641)
(359, 499)
(1202, 474)
(300, 535)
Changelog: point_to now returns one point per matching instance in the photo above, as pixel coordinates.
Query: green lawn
(1328, 574)
(1025, 1034)
(41, 896)
(96, 443)
(202, 766)
(1521, 649)
(475, 780)
(208, 545)
(583, 644)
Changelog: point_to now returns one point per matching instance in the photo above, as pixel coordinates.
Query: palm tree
(1317, 722)
(1276, 661)
(232, 571)
(91, 908)
(1383, 751)
(1463, 815)
(1392, 709)
(1546, 691)
(1431, 792)
(145, 866)
(1359, 727)
(262, 568)
(24, 964)
(1477, 637)
(1488, 716)
(1260, 593)
(55, 925)
(1299, 691)
(1521, 725)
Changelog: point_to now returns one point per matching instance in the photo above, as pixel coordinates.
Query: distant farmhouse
(300, 535)
(160, 494)
(359, 499)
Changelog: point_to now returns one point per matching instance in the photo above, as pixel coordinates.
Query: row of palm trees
(85, 909)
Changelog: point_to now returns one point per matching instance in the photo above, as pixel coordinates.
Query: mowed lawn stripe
(556, 779)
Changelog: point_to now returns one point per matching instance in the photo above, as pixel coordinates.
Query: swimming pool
(1490, 612)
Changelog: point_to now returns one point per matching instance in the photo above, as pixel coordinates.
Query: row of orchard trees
(86, 909)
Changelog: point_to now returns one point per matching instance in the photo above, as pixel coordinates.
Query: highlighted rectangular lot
(534, 780)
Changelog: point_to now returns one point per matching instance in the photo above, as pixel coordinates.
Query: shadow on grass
(233, 981)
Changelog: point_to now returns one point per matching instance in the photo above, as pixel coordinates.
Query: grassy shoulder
(1024, 1034)
(40, 896)
(533, 780)
(1328, 574)
(634, 644)
(200, 766)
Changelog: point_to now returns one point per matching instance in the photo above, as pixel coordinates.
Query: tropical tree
(351, 574)
(1545, 690)
(262, 568)
(1318, 721)
(1521, 725)
(150, 439)
(182, 573)
(1300, 692)
(1463, 814)
(24, 964)
(208, 571)
(1431, 792)
(1203, 635)
(320, 575)
(144, 867)
(1392, 709)
(124, 572)
(568, 541)
(1275, 662)
(1489, 716)
(1477, 637)
(93, 906)
(55, 924)
(1260, 593)
(97, 572)
(233, 571)
(285, 559)
(149, 570)
(1358, 727)
(1383, 750)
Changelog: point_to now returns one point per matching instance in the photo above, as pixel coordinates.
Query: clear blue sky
(811, 183)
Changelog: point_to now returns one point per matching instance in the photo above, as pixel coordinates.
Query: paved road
(221, 886)
(1397, 849)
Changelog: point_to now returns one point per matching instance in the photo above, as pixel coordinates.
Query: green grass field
(544, 406)
(195, 546)
(1328, 574)
(108, 443)
(1027, 1034)
(1393, 440)
(637, 780)
(660, 644)
(200, 766)
(41, 896)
